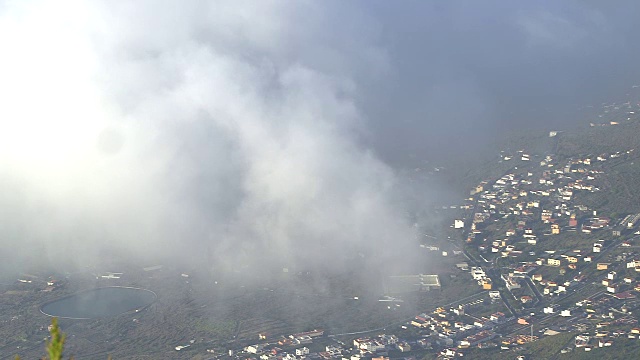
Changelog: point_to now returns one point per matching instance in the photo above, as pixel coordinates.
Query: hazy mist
(222, 133)
(266, 131)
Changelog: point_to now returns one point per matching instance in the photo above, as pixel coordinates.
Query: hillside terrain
(532, 227)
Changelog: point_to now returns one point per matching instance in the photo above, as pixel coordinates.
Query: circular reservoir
(99, 303)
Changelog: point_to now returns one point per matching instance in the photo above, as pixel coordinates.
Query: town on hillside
(539, 259)
(550, 268)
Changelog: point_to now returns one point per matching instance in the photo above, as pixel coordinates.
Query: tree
(55, 346)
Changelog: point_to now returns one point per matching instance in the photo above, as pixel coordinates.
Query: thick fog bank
(221, 133)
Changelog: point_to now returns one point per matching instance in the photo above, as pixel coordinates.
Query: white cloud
(167, 127)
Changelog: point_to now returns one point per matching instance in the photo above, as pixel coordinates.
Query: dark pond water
(98, 303)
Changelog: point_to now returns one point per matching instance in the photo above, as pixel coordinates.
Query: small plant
(55, 346)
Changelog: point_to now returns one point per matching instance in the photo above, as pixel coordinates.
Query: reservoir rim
(155, 298)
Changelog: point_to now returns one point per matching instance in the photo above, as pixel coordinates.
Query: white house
(254, 349)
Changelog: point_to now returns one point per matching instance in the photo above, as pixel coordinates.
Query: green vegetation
(219, 330)
(55, 346)
(546, 348)
(621, 349)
